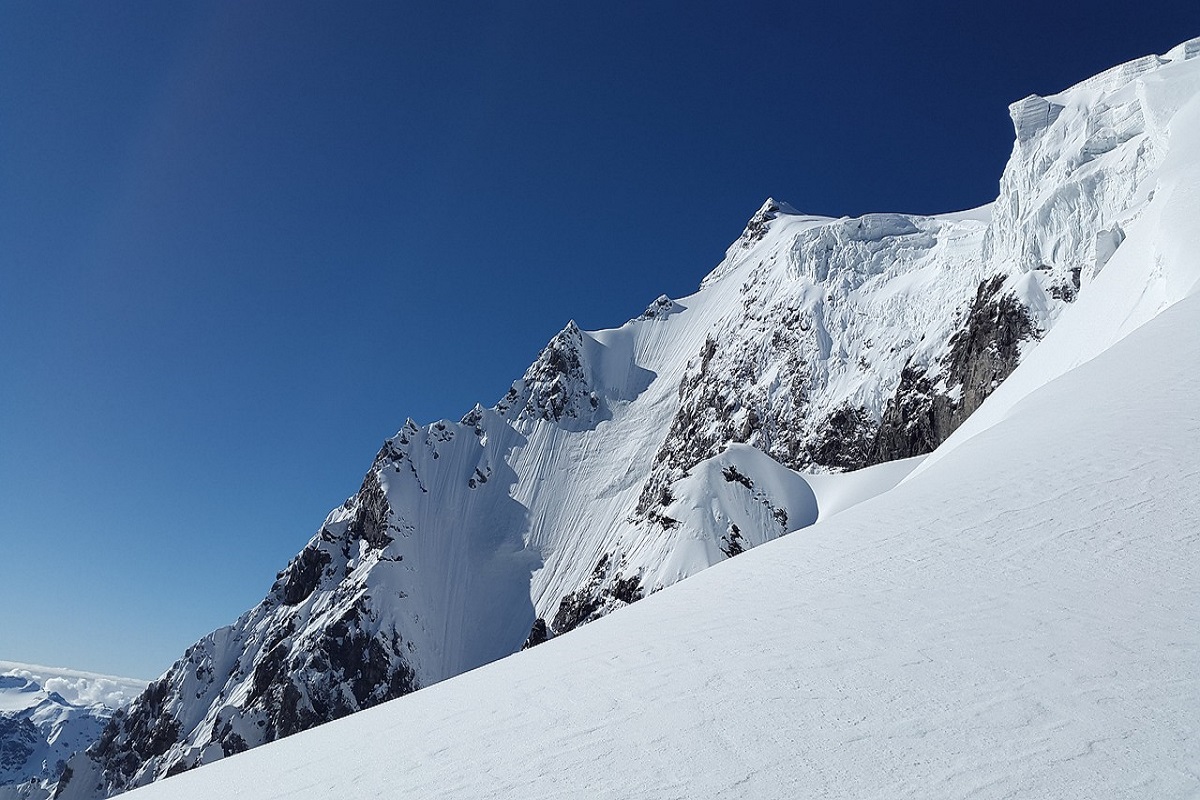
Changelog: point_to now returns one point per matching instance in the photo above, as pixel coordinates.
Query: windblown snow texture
(627, 459)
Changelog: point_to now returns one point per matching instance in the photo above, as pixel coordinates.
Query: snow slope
(1020, 619)
(625, 460)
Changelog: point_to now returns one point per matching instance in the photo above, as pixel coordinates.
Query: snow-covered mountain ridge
(607, 471)
(1018, 620)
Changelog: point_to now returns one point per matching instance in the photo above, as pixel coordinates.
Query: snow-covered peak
(575, 381)
(1079, 169)
(77, 687)
(758, 224)
(661, 308)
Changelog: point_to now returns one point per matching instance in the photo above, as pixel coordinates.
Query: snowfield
(1017, 615)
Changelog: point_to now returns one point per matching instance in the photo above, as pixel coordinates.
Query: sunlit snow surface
(1020, 617)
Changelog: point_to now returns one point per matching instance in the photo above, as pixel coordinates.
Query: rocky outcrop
(19, 739)
(756, 228)
(929, 405)
(556, 386)
(145, 731)
(606, 589)
(574, 383)
(661, 308)
(798, 369)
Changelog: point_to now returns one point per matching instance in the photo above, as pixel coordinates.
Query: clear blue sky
(241, 242)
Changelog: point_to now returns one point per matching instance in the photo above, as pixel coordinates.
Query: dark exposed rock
(692, 437)
(19, 737)
(1066, 290)
(718, 406)
(605, 589)
(537, 634)
(982, 354)
(478, 478)
(574, 609)
(843, 440)
(732, 542)
(267, 672)
(556, 386)
(733, 475)
(988, 348)
(627, 589)
(914, 422)
(231, 742)
(301, 577)
(371, 521)
(756, 227)
(64, 779)
(348, 668)
(145, 730)
(661, 308)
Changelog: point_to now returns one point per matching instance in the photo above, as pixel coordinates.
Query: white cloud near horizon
(76, 686)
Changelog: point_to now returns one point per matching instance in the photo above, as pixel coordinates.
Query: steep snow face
(422, 575)
(627, 459)
(1079, 168)
(39, 731)
(1085, 165)
(1155, 260)
(820, 318)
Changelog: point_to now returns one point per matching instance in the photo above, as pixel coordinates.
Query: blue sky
(241, 243)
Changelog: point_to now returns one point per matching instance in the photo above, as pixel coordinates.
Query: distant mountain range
(46, 716)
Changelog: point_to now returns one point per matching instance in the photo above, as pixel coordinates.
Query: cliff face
(627, 459)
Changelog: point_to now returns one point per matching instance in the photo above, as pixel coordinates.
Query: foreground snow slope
(1020, 619)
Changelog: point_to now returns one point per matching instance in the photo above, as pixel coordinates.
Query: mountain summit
(627, 459)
